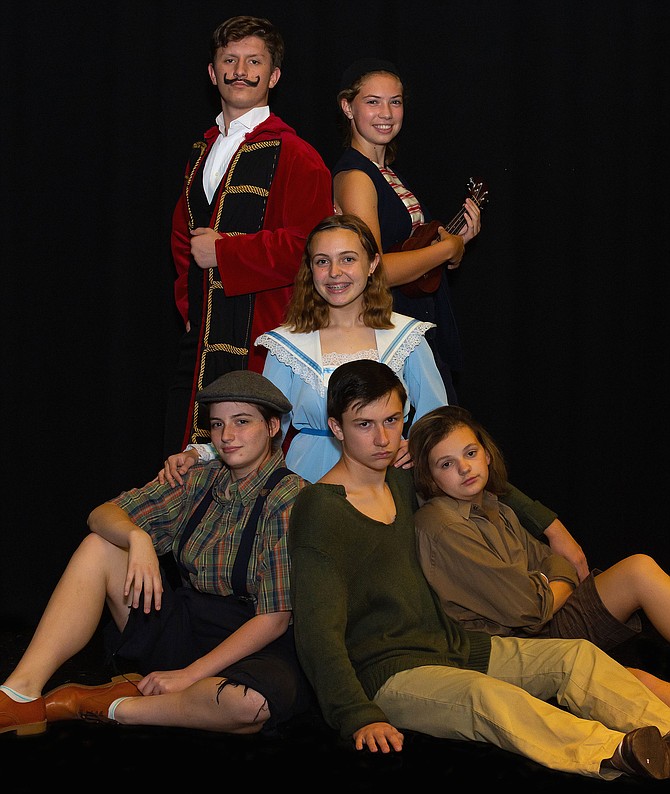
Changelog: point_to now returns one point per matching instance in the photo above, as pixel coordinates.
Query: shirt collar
(246, 122)
(248, 488)
(465, 509)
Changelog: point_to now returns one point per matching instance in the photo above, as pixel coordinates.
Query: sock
(16, 696)
(113, 705)
(617, 752)
(618, 760)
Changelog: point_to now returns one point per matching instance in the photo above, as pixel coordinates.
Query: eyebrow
(466, 448)
(396, 415)
(228, 50)
(233, 416)
(379, 96)
(338, 253)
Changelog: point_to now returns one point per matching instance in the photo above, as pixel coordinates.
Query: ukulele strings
(458, 220)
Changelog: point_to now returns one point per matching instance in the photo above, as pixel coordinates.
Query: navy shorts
(188, 625)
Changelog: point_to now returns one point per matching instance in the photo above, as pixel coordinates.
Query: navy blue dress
(396, 226)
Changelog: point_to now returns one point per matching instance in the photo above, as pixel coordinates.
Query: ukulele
(426, 233)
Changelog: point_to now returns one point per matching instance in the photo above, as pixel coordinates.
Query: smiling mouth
(337, 287)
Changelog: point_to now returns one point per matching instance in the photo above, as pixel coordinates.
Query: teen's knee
(639, 570)
(97, 548)
(642, 563)
(251, 707)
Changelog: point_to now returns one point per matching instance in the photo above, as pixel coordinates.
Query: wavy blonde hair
(308, 311)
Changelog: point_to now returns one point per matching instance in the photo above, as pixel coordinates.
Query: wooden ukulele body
(427, 233)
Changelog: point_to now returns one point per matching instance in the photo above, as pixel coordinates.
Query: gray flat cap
(245, 386)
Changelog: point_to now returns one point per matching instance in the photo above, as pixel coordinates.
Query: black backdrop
(561, 107)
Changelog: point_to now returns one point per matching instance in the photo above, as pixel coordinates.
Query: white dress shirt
(226, 145)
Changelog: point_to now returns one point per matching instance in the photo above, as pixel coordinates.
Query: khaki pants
(507, 706)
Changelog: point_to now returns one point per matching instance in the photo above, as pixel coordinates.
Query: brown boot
(24, 718)
(79, 702)
(643, 753)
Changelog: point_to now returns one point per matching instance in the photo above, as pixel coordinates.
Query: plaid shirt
(209, 554)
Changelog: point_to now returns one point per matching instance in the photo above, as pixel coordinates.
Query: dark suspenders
(193, 521)
(239, 574)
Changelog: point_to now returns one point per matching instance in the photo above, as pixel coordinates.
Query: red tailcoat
(263, 263)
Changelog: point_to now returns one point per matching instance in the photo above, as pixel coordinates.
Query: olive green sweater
(362, 607)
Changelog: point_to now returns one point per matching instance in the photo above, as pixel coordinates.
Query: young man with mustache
(252, 191)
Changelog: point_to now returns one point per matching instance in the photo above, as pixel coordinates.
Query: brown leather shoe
(644, 753)
(79, 702)
(24, 718)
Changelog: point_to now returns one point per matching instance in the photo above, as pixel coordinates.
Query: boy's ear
(335, 428)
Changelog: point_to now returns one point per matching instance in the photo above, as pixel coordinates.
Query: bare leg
(95, 573)
(637, 582)
(237, 710)
(658, 686)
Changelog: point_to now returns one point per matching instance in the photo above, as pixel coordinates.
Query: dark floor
(86, 756)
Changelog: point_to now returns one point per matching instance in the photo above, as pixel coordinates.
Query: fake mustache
(250, 83)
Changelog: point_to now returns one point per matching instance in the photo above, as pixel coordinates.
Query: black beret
(245, 386)
(365, 66)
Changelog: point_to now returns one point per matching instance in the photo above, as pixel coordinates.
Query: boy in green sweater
(382, 656)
